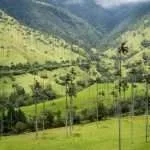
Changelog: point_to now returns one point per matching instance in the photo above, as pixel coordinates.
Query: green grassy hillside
(86, 137)
(136, 39)
(52, 78)
(19, 44)
(23, 45)
(85, 99)
(52, 19)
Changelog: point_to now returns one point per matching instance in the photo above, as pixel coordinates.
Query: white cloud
(70, 2)
(110, 3)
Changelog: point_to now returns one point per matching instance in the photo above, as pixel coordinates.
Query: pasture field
(85, 137)
(85, 98)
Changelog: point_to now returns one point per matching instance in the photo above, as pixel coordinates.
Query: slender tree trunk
(11, 120)
(146, 113)
(43, 115)
(119, 106)
(2, 125)
(36, 117)
(71, 114)
(132, 110)
(66, 123)
(108, 87)
(119, 123)
(43, 109)
(113, 100)
(36, 121)
(97, 111)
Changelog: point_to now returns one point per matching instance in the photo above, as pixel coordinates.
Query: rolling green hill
(25, 45)
(52, 78)
(41, 41)
(85, 137)
(19, 44)
(137, 39)
(85, 99)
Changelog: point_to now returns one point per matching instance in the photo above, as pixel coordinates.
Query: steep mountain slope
(107, 19)
(23, 49)
(89, 11)
(138, 41)
(55, 20)
(19, 44)
(126, 16)
(83, 22)
(110, 21)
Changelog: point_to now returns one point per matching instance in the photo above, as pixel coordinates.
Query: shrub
(59, 121)
(49, 119)
(82, 83)
(20, 127)
(103, 111)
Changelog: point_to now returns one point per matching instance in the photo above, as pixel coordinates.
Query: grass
(26, 80)
(134, 38)
(84, 99)
(20, 44)
(85, 137)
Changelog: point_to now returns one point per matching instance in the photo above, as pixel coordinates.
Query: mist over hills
(116, 3)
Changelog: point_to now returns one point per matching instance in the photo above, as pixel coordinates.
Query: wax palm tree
(70, 93)
(114, 95)
(133, 73)
(122, 50)
(36, 96)
(97, 99)
(147, 82)
(66, 102)
(44, 98)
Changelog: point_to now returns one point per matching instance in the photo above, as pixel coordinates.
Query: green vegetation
(53, 78)
(85, 137)
(54, 20)
(47, 82)
(20, 44)
(25, 52)
(137, 51)
(85, 99)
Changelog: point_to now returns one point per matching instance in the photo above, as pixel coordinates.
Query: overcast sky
(110, 3)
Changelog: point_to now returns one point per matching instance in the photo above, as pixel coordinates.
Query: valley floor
(85, 137)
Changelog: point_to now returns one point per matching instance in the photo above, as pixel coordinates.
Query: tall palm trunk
(71, 115)
(36, 121)
(35, 113)
(97, 111)
(11, 120)
(146, 113)
(132, 109)
(119, 105)
(43, 115)
(66, 122)
(43, 122)
(2, 125)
